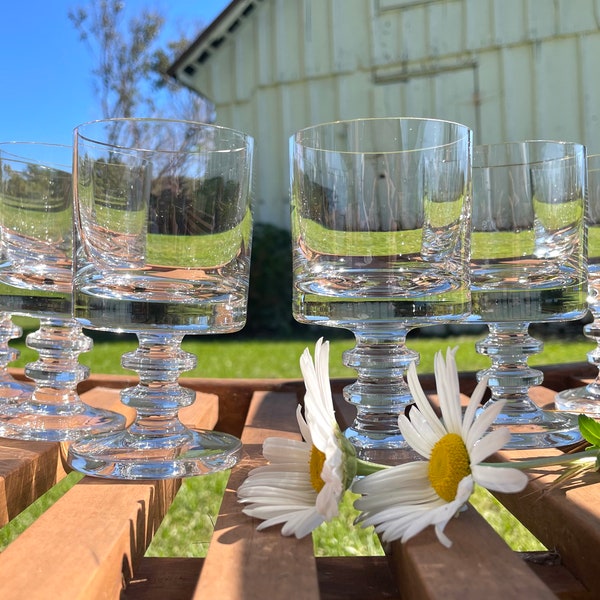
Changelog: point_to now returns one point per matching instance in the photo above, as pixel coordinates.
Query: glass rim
(247, 140)
(577, 148)
(27, 159)
(468, 133)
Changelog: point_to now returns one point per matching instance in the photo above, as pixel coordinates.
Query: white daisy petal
(490, 443)
(303, 426)
(413, 436)
(448, 391)
(284, 492)
(500, 479)
(484, 420)
(422, 401)
(403, 500)
(473, 406)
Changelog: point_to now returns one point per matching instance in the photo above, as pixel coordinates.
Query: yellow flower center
(448, 465)
(317, 460)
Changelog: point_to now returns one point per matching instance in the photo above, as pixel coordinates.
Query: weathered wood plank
(478, 565)
(164, 579)
(27, 470)
(356, 578)
(565, 519)
(86, 544)
(244, 563)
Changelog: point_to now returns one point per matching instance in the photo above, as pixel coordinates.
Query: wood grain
(244, 563)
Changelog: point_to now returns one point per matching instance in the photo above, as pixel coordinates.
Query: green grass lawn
(187, 527)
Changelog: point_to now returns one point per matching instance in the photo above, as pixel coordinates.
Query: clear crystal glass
(380, 223)
(586, 399)
(528, 265)
(163, 250)
(36, 232)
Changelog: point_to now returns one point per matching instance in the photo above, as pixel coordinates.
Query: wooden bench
(91, 543)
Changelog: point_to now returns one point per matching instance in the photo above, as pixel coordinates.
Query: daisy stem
(545, 461)
(364, 467)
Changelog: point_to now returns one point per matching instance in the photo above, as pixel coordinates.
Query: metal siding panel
(222, 88)
(590, 92)
(446, 22)
(245, 61)
(454, 93)
(510, 25)
(350, 36)
(271, 151)
(354, 96)
(288, 38)
(244, 118)
(294, 104)
(322, 100)
(479, 32)
(519, 94)
(541, 19)
(547, 88)
(383, 41)
(491, 99)
(574, 17)
(388, 100)
(317, 38)
(418, 97)
(265, 46)
(413, 37)
(555, 77)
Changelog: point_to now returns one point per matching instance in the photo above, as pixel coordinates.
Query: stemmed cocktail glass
(380, 224)
(36, 246)
(528, 266)
(163, 250)
(586, 398)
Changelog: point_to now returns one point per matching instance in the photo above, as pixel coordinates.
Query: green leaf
(590, 429)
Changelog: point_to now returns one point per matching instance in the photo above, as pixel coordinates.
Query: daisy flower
(303, 483)
(405, 499)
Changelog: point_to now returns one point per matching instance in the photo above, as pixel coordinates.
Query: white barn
(510, 69)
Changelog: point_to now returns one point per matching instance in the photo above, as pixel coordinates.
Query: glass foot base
(579, 400)
(26, 421)
(381, 449)
(13, 391)
(544, 429)
(123, 455)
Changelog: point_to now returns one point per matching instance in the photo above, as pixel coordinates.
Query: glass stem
(9, 331)
(57, 371)
(159, 360)
(380, 393)
(509, 346)
(592, 331)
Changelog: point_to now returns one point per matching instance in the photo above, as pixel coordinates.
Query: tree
(130, 73)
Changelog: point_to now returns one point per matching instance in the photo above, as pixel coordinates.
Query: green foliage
(518, 537)
(188, 526)
(270, 295)
(590, 429)
(340, 537)
(131, 59)
(10, 531)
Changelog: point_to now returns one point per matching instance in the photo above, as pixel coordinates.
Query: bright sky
(45, 70)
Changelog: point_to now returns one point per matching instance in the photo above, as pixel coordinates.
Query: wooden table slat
(27, 470)
(564, 519)
(258, 564)
(86, 543)
(479, 562)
